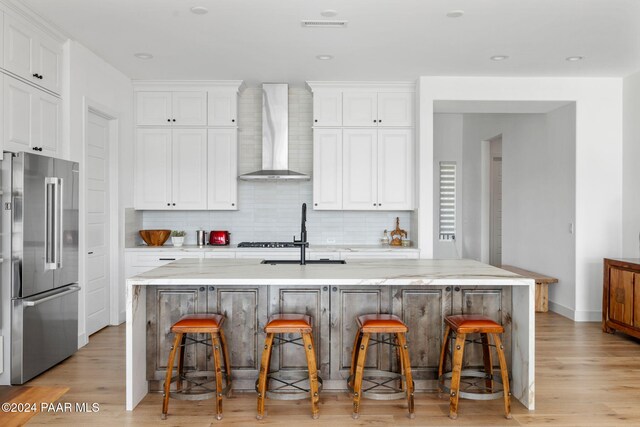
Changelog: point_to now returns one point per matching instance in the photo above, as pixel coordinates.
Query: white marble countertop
(365, 272)
(316, 248)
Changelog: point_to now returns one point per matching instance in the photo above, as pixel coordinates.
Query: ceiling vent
(324, 23)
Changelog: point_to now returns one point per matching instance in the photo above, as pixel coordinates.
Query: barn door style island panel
(421, 292)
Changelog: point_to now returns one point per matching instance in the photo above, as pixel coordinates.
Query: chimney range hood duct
(275, 136)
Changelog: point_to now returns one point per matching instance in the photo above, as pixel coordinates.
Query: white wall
(631, 169)
(598, 218)
(269, 211)
(92, 81)
(447, 137)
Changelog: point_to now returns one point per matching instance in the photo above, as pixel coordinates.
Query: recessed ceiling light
(142, 55)
(324, 57)
(574, 58)
(457, 13)
(199, 10)
(499, 57)
(329, 13)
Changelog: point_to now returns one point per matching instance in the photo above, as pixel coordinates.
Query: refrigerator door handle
(33, 303)
(59, 224)
(49, 238)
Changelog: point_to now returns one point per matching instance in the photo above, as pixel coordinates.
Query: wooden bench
(542, 286)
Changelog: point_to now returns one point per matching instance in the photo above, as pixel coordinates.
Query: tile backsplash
(270, 211)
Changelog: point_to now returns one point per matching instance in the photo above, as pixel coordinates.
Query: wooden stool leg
(215, 342)
(167, 380)
(264, 372)
(181, 362)
(505, 375)
(307, 339)
(357, 382)
(488, 363)
(443, 355)
(400, 360)
(456, 369)
(406, 371)
(354, 358)
(227, 362)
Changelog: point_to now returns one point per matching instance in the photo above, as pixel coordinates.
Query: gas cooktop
(266, 245)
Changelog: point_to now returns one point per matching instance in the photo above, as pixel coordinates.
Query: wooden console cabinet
(621, 296)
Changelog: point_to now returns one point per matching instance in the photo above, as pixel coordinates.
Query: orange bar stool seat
(382, 387)
(197, 385)
(481, 383)
(286, 384)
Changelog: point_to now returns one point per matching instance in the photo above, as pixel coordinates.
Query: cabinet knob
(334, 289)
(457, 289)
(173, 204)
(233, 204)
(325, 288)
(374, 204)
(168, 204)
(448, 288)
(315, 204)
(374, 121)
(201, 288)
(380, 121)
(379, 204)
(233, 120)
(211, 288)
(174, 120)
(35, 75)
(316, 120)
(169, 120)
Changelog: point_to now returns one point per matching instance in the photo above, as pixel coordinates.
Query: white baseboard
(82, 340)
(576, 316)
(122, 317)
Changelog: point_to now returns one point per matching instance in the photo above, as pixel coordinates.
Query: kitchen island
(421, 292)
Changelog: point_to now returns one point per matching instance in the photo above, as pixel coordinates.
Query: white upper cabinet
(171, 108)
(327, 169)
(359, 108)
(395, 109)
(359, 169)
(153, 169)
(31, 118)
(222, 156)
(189, 169)
(327, 108)
(223, 108)
(395, 169)
(171, 169)
(31, 54)
(380, 109)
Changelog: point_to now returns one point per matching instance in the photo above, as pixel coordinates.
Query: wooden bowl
(155, 237)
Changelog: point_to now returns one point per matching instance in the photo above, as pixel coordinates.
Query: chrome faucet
(303, 243)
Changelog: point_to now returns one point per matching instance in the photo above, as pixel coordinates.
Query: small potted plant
(177, 237)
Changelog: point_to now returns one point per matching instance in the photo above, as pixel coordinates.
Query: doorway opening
(495, 201)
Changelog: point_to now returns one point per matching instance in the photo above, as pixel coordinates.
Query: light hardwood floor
(583, 378)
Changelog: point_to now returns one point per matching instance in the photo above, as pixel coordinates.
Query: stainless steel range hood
(275, 136)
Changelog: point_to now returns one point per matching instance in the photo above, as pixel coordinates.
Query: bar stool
(196, 388)
(461, 326)
(380, 324)
(286, 324)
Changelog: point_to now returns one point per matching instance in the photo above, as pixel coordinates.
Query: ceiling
(263, 40)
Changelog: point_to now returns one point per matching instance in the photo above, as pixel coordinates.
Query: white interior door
(495, 245)
(97, 223)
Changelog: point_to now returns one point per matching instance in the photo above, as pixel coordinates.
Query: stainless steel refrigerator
(40, 262)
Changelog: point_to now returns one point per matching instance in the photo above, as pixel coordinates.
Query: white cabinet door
(395, 169)
(46, 119)
(327, 169)
(359, 108)
(395, 109)
(19, 100)
(153, 169)
(189, 169)
(189, 108)
(327, 108)
(359, 169)
(223, 108)
(48, 63)
(223, 169)
(153, 108)
(19, 45)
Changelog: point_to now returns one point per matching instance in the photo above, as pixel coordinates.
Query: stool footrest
(471, 373)
(289, 378)
(383, 377)
(204, 377)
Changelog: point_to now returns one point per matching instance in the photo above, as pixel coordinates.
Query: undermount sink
(297, 261)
